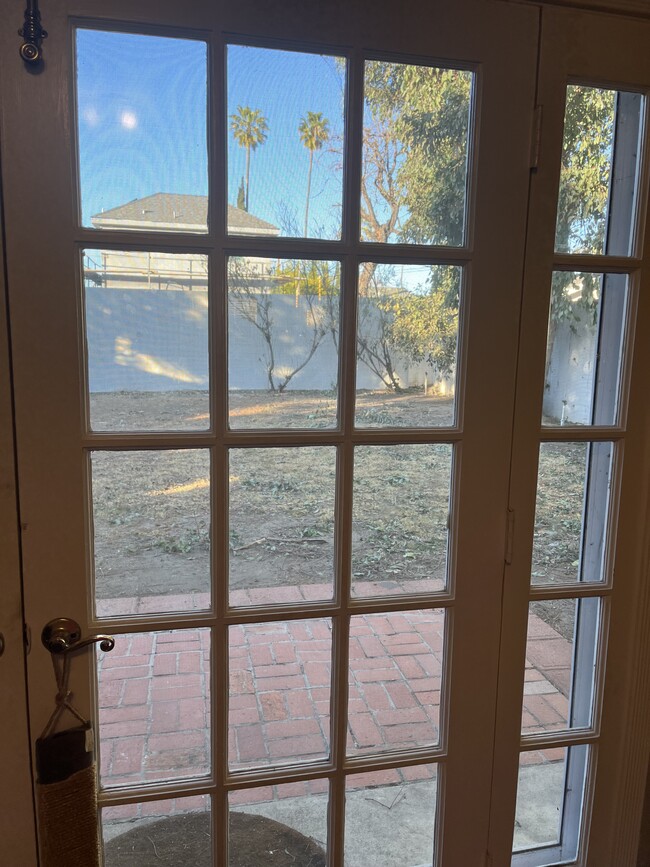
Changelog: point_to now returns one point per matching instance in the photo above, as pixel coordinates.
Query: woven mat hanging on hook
(66, 788)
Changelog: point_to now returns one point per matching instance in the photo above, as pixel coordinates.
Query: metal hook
(64, 635)
(33, 34)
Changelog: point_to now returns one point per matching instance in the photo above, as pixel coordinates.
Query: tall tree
(585, 181)
(314, 132)
(415, 146)
(413, 189)
(250, 128)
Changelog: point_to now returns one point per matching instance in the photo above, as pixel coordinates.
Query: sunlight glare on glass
(128, 119)
(142, 131)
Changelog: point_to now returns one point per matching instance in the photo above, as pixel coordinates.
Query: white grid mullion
(300, 611)
(219, 662)
(345, 465)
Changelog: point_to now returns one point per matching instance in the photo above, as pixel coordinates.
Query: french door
(274, 433)
(586, 411)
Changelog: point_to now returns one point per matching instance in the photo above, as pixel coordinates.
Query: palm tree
(314, 132)
(249, 127)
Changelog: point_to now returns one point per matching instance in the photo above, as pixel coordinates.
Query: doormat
(178, 841)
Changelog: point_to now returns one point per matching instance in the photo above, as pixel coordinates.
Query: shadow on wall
(157, 340)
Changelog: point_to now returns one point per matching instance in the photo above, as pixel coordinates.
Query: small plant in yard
(255, 295)
(191, 540)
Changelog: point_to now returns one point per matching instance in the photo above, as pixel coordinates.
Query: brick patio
(154, 691)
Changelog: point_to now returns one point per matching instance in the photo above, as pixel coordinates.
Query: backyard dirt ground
(152, 508)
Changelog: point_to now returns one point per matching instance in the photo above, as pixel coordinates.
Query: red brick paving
(154, 688)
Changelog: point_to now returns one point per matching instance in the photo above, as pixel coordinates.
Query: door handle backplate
(64, 635)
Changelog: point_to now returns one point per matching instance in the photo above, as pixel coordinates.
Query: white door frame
(38, 404)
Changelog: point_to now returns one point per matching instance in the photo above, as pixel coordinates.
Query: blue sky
(142, 125)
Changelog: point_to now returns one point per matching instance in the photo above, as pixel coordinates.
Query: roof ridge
(157, 203)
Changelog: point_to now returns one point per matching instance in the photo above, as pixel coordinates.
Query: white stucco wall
(157, 340)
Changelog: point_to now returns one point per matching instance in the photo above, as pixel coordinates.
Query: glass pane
(281, 525)
(550, 799)
(151, 519)
(154, 707)
(142, 131)
(599, 173)
(175, 832)
(279, 705)
(395, 680)
(407, 335)
(390, 817)
(285, 142)
(560, 664)
(400, 517)
(147, 340)
(572, 512)
(416, 123)
(283, 342)
(585, 348)
(279, 825)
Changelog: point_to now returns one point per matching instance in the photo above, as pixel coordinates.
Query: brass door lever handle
(64, 635)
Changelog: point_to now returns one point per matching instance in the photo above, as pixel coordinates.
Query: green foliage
(415, 153)
(308, 277)
(416, 134)
(424, 325)
(586, 169)
(314, 130)
(249, 127)
(411, 325)
(416, 128)
(241, 196)
(585, 180)
(413, 189)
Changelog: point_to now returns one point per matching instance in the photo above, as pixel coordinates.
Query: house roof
(178, 211)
